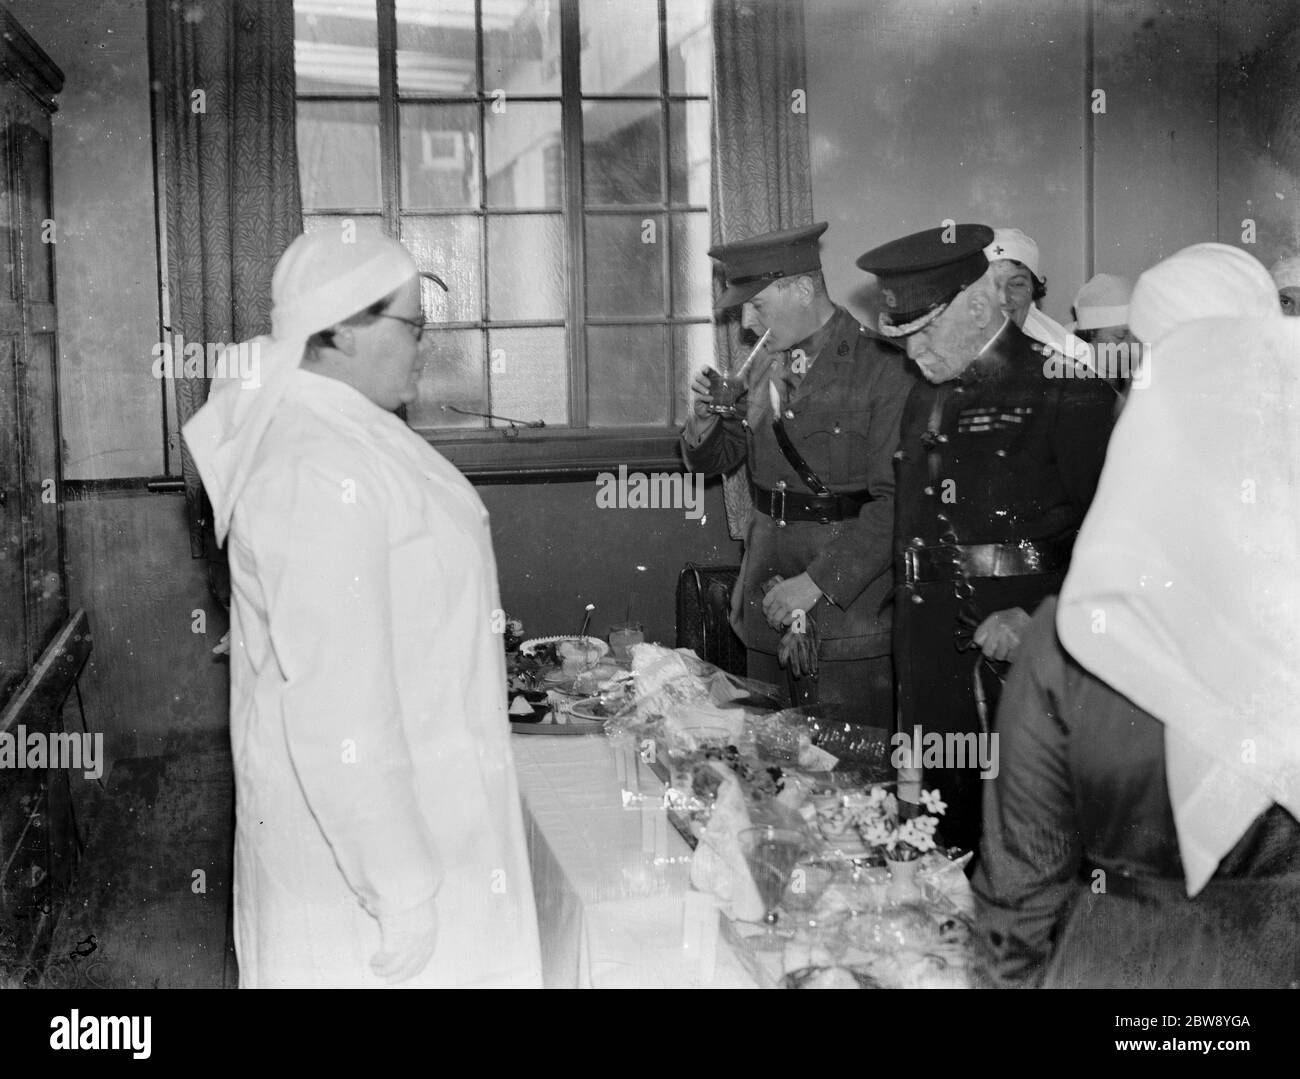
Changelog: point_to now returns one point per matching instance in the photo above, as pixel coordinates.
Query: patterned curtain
(224, 70)
(761, 179)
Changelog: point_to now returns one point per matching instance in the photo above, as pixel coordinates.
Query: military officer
(996, 466)
(817, 431)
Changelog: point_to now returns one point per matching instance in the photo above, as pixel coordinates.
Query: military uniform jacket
(1019, 455)
(842, 415)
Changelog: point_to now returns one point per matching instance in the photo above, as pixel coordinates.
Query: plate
(572, 727)
(591, 710)
(527, 647)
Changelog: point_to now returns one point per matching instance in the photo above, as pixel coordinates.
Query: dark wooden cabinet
(36, 842)
(33, 590)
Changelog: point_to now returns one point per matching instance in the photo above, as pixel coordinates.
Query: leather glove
(798, 651)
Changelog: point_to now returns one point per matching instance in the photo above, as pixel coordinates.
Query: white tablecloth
(614, 903)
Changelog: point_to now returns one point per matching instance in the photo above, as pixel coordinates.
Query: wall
(557, 552)
(107, 263)
(920, 110)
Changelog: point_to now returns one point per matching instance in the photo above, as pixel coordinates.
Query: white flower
(926, 824)
(913, 836)
(932, 801)
(876, 833)
(877, 797)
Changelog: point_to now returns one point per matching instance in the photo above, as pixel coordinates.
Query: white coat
(368, 707)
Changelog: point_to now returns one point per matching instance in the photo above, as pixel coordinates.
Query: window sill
(493, 457)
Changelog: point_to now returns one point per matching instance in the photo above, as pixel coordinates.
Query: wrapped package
(719, 865)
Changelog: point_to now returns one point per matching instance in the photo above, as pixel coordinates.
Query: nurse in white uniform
(379, 837)
(1013, 262)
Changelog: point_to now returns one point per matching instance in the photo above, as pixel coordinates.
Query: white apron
(368, 724)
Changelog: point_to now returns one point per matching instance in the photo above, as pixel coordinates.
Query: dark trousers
(852, 691)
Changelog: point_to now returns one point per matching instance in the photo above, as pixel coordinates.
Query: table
(612, 880)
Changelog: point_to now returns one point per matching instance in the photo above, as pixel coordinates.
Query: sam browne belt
(784, 505)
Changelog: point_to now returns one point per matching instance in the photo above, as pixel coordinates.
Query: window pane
(621, 152)
(522, 144)
(689, 146)
(452, 375)
(335, 48)
(521, 46)
(526, 267)
(625, 265)
(449, 246)
(692, 267)
(693, 347)
(439, 156)
(529, 375)
(620, 51)
(626, 376)
(338, 155)
(436, 47)
(690, 47)
(343, 225)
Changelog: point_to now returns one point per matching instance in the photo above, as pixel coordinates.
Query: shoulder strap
(796, 460)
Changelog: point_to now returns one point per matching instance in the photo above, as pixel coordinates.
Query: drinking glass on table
(771, 854)
(623, 636)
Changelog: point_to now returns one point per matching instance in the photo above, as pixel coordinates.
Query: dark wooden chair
(703, 610)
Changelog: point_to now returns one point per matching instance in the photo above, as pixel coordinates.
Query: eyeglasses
(415, 323)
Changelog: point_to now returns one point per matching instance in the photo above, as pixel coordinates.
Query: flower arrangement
(879, 824)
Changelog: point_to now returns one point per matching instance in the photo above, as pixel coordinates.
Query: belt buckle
(1032, 556)
(778, 515)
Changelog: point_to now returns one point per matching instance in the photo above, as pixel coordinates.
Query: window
(550, 160)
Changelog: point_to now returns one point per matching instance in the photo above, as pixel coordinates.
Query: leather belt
(941, 562)
(784, 505)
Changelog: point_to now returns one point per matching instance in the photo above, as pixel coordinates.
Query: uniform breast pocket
(835, 443)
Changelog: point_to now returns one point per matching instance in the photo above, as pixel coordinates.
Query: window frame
(500, 453)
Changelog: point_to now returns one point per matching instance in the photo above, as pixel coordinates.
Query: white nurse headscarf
(320, 280)
(1286, 272)
(1202, 281)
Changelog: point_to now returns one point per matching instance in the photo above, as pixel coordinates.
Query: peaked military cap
(921, 273)
(750, 265)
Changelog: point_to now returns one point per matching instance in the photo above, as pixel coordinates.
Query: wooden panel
(13, 632)
(42, 501)
(32, 147)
